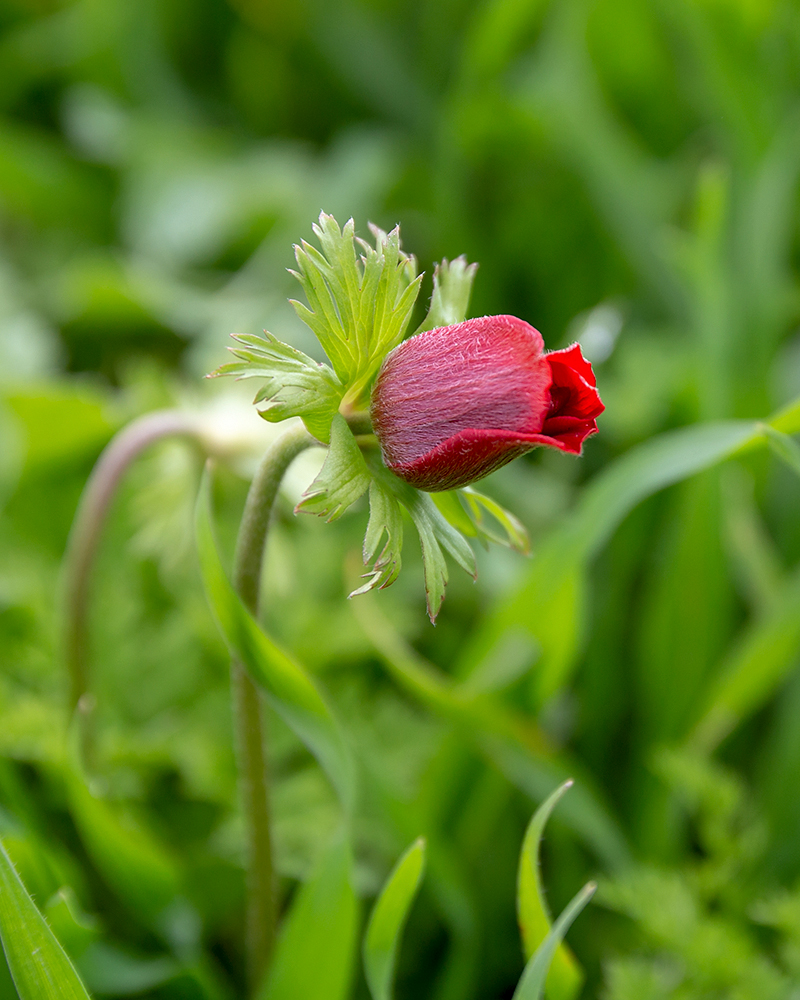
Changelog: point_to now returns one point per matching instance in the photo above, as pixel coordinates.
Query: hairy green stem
(87, 528)
(249, 720)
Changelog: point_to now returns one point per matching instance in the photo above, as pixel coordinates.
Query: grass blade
(531, 985)
(39, 965)
(316, 949)
(566, 977)
(388, 918)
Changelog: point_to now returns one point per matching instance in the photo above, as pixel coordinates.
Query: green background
(626, 173)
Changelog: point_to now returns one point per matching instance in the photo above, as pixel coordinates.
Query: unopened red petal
(487, 373)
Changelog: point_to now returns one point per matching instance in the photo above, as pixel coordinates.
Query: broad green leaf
(532, 984)
(785, 447)
(566, 978)
(342, 479)
(316, 948)
(291, 690)
(452, 288)
(39, 965)
(388, 918)
(555, 585)
(295, 385)
(385, 524)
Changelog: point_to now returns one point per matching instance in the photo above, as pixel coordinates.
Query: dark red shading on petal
(465, 458)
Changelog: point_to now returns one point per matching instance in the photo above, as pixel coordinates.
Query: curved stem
(87, 527)
(249, 720)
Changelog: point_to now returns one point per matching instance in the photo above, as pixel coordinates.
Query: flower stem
(249, 720)
(87, 528)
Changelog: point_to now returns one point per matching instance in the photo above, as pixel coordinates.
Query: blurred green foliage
(626, 173)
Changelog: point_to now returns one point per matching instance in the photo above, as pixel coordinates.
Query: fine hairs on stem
(249, 721)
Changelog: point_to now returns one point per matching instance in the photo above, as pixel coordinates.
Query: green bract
(360, 301)
(295, 386)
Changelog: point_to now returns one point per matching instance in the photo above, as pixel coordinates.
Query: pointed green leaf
(385, 522)
(388, 918)
(532, 984)
(39, 965)
(342, 274)
(434, 532)
(291, 690)
(315, 953)
(565, 979)
(341, 480)
(452, 288)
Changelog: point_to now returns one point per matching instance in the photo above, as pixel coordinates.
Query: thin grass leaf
(316, 949)
(566, 978)
(38, 964)
(532, 984)
(290, 689)
(388, 918)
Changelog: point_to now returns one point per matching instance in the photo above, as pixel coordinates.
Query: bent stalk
(87, 528)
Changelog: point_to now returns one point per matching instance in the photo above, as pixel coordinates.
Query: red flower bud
(453, 404)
